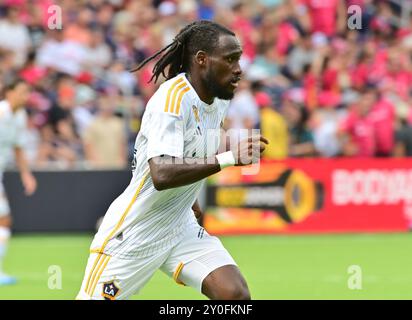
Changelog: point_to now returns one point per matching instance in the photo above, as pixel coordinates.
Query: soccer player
(12, 127)
(152, 224)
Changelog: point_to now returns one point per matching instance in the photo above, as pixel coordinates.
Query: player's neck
(200, 89)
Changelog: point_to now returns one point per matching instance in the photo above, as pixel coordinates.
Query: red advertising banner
(312, 196)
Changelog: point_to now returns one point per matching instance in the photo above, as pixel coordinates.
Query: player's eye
(230, 59)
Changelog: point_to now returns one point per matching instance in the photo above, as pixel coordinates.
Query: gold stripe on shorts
(99, 255)
(96, 273)
(106, 261)
(177, 273)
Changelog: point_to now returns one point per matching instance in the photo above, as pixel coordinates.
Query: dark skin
(211, 75)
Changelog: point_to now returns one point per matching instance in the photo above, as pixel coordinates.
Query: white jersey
(12, 129)
(143, 221)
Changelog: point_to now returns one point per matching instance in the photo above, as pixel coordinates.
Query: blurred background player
(12, 129)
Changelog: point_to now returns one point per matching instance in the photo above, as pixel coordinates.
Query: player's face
(224, 72)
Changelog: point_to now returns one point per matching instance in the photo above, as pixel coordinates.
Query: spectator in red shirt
(360, 70)
(243, 27)
(382, 116)
(397, 75)
(357, 131)
(326, 16)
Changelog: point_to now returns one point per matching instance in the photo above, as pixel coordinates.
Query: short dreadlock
(199, 35)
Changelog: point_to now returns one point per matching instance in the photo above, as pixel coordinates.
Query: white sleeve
(165, 133)
(21, 130)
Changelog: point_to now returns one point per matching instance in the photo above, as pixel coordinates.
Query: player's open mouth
(235, 82)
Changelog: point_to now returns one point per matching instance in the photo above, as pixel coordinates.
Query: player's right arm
(27, 178)
(164, 126)
(171, 172)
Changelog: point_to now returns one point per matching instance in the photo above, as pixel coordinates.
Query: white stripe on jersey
(143, 221)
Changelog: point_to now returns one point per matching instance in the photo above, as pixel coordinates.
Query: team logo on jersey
(110, 290)
(196, 113)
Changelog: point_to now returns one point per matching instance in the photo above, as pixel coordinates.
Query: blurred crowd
(314, 86)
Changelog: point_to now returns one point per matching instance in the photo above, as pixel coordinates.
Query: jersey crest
(196, 113)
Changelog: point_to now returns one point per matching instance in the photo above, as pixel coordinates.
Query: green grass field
(276, 267)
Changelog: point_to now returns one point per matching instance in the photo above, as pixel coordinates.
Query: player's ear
(201, 58)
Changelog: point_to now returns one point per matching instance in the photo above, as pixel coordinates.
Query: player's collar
(207, 107)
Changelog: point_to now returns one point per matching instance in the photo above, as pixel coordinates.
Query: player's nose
(237, 70)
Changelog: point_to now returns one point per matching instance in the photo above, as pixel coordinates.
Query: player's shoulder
(4, 108)
(173, 96)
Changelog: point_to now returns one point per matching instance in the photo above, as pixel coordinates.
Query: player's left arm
(27, 178)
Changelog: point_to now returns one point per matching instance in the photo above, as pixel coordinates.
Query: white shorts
(188, 263)
(4, 204)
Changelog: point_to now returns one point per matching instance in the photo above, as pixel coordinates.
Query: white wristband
(226, 159)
